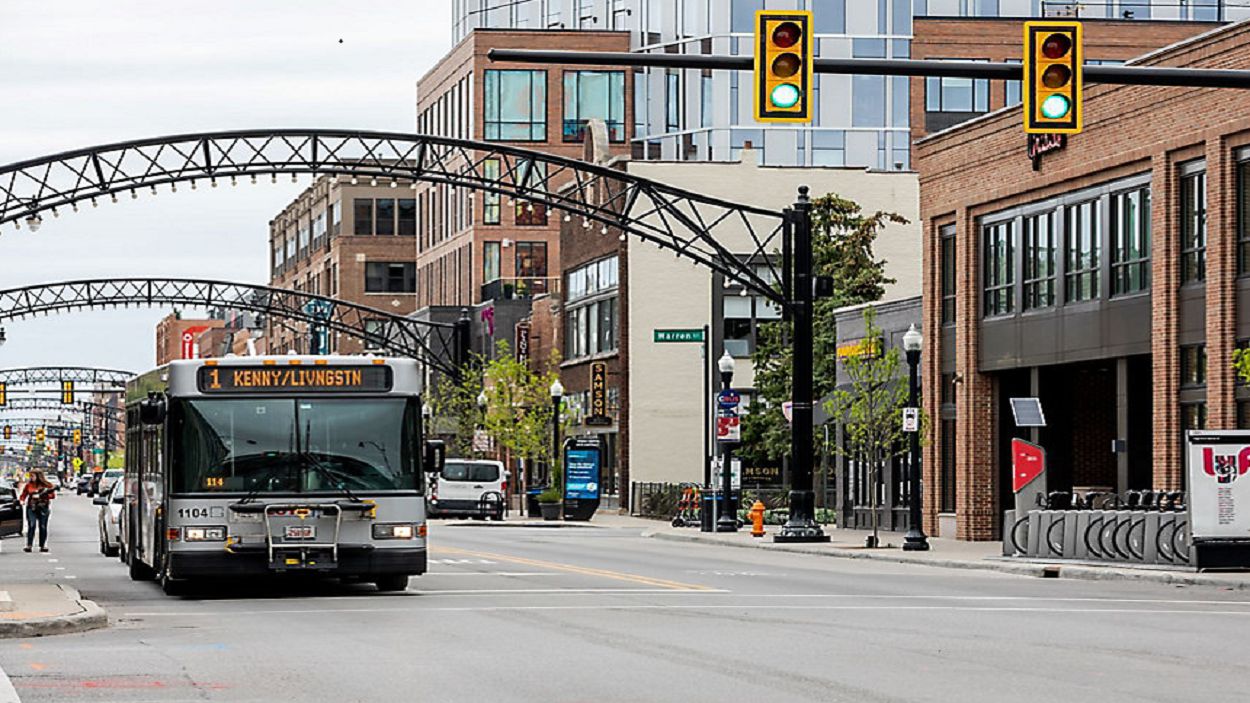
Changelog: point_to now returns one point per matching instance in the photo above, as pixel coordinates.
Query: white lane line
(1037, 599)
(8, 694)
(692, 606)
(496, 573)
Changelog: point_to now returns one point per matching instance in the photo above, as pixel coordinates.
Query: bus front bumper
(353, 560)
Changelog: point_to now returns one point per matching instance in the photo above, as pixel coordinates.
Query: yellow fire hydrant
(757, 519)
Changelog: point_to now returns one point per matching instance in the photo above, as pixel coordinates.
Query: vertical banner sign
(189, 347)
(728, 426)
(598, 394)
(1219, 484)
(522, 341)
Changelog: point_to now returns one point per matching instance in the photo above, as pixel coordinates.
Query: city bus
(276, 464)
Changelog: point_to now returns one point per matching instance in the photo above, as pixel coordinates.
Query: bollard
(757, 519)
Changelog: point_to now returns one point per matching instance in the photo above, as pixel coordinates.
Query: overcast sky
(84, 72)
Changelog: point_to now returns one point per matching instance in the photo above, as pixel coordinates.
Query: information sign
(678, 335)
(1219, 484)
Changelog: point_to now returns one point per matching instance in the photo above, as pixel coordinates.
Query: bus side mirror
(152, 409)
(435, 456)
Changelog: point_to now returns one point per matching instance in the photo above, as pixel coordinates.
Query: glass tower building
(859, 120)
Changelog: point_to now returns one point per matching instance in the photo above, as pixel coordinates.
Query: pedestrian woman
(37, 495)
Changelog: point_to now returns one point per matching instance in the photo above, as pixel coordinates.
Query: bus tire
(392, 582)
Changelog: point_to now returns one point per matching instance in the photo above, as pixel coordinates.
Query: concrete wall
(665, 386)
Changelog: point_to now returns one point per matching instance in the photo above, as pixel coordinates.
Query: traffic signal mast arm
(1120, 75)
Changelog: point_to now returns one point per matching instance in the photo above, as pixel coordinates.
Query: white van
(458, 491)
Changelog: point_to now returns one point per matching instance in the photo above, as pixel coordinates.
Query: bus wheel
(392, 582)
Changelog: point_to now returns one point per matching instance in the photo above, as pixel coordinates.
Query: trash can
(707, 520)
(531, 503)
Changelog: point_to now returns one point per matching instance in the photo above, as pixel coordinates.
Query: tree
(1241, 364)
(871, 409)
(842, 241)
(455, 411)
(518, 407)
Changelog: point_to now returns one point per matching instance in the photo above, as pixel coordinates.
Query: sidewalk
(38, 609)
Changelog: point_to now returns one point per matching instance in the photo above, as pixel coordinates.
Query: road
(525, 614)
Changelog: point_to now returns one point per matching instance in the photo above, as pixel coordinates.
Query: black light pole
(427, 412)
(915, 540)
(481, 412)
(728, 521)
(557, 393)
(802, 526)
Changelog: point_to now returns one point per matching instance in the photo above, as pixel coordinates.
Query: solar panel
(1028, 412)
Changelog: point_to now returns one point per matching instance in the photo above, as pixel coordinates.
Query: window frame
(1193, 222)
(407, 279)
(1082, 266)
(998, 280)
(948, 253)
(492, 94)
(616, 128)
(1121, 265)
(1039, 286)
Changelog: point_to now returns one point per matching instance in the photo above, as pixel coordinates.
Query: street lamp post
(557, 394)
(728, 520)
(915, 540)
(426, 413)
(481, 421)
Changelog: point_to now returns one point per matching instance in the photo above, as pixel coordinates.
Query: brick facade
(981, 168)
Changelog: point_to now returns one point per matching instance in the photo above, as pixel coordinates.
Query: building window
(956, 95)
(490, 261)
(384, 216)
(594, 95)
(363, 209)
(1193, 416)
(336, 218)
(590, 326)
(1194, 227)
(1039, 261)
(1083, 243)
(1193, 366)
(531, 175)
(1243, 218)
(515, 105)
(591, 279)
(947, 235)
(999, 270)
(531, 259)
(828, 148)
(1130, 241)
(490, 200)
(672, 98)
(407, 217)
(375, 334)
(948, 480)
(386, 277)
(1011, 89)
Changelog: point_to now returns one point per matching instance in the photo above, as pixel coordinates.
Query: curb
(91, 617)
(1035, 569)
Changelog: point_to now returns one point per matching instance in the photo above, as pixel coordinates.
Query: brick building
(177, 338)
(354, 241)
(477, 247)
(1105, 276)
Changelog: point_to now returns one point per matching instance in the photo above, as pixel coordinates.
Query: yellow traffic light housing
(784, 66)
(4, 394)
(40, 434)
(8, 432)
(1053, 56)
(77, 436)
(67, 392)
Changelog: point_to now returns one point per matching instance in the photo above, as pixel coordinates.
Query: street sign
(911, 419)
(678, 335)
(728, 399)
(787, 409)
(728, 425)
(481, 441)
(1028, 461)
(718, 472)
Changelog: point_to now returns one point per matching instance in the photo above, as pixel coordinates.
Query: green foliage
(117, 460)
(871, 410)
(842, 241)
(455, 410)
(1241, 364)
(519, 408)
(551, 494)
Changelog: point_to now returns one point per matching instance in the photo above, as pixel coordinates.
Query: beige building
(352, 241)
(665, 387)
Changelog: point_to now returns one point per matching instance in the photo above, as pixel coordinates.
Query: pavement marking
(584, 570)
(38, 666)
(8, 694)
(493, 573)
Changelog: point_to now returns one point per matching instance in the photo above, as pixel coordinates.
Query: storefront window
(1194, 227)
(1130, 237)
(998, 269)
(1039, 261)
(1083, 246)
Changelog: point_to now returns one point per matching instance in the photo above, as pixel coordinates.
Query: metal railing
(516, 288)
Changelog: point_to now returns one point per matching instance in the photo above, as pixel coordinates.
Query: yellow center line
(585, 570)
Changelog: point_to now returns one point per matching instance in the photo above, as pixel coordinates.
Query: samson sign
(599, 394)
(1219, 484)
(294, 379)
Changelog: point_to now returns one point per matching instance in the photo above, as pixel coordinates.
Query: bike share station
(1206, 526)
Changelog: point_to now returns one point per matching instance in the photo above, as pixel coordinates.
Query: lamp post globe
(481, 400)
(915, 539)
(557, 393)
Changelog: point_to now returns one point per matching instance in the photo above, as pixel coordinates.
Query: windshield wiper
(256, 488)
(333, 475)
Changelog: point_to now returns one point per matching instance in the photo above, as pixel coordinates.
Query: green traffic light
(1056, 107)
(785, 95)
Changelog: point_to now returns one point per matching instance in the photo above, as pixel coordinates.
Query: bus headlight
(393, 531)
(204, 534)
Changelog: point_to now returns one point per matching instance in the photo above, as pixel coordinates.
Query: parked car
(109, 478)
(82, 484)
(460, 489)
(93, 488)
(109, 518)
(10, 510)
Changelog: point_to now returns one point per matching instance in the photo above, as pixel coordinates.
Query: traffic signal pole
(1119, 75)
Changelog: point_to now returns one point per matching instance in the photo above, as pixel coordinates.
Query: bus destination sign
(294, 379)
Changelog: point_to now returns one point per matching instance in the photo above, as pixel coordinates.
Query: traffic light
(784, 55)
(8, 432)
(67, 392)
(1052, 77)
(4, 394)
(77, 436)
(40, 435)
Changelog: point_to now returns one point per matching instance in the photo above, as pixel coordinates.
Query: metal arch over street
(431, 342)
(33, 375)
(84, 407)
(685, 222)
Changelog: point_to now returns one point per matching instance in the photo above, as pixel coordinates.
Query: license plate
(301, 532)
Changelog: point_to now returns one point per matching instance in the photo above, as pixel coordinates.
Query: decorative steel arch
(682, 221)
(431, 342)
(33, 375)
(24, 427)
(54, 404)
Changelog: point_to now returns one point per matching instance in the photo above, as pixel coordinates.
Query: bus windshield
(301, 445)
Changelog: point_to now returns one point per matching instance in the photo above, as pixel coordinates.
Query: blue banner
(581, 473)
